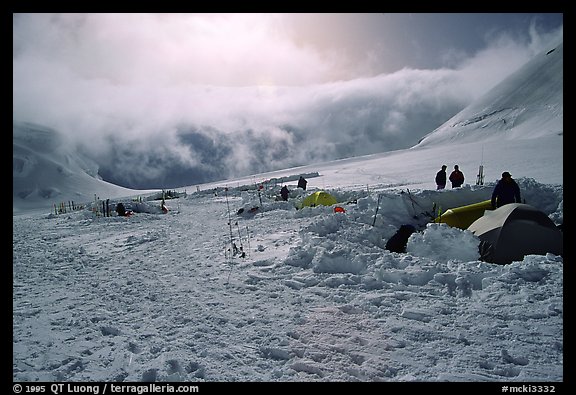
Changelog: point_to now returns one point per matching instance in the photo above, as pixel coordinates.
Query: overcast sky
(252, 49)
(137, 78)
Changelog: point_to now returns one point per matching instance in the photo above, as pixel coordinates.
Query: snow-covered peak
(526, 104)
(45, 171)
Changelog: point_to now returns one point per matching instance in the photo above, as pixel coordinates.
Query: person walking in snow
(441, 178)
(456, 177)
(284, 193)
(302, 183)
(506, 191)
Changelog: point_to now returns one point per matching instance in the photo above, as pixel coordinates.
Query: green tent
(319, 198)
(515, 230)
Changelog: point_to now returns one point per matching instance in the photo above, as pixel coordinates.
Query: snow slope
(45, 171)
(527, 104)
(317, 298)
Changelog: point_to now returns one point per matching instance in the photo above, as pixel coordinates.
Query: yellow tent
(462, 217)
(319, 198)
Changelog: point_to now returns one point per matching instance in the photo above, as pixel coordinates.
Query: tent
(462, 217)
(514, 230)
(319, 198)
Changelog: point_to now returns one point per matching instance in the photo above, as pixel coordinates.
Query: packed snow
(315, 298)
(234, 284)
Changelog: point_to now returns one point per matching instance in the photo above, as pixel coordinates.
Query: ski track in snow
(157, 298)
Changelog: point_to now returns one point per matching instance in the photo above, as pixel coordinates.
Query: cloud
(183, 99)
(170, 49)
(504, 55)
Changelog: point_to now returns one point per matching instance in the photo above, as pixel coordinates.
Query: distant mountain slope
(526, 104)
(44, 172)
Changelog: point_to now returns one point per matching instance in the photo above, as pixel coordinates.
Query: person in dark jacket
(506, 191)
(456, 177)
(284, 192)
(302, 183)
(441, 178)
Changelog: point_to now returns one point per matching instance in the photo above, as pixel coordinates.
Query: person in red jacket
(456, 177)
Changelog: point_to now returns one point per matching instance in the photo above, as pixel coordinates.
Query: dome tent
(319, 198)
(515, 230)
